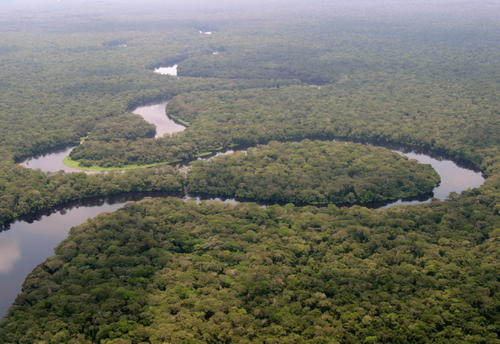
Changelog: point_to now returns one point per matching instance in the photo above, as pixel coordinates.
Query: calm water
(170, 70)
(25, 245)
(453, 177)
(156, 114)
(50, 162)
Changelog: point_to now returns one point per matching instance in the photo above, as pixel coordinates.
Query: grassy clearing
(204, 154)
(76, 165)
(179, 120)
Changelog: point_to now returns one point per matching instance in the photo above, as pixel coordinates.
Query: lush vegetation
(170, 271)
(416, 113)
(61, 86)
(44, 191)
(419, 92)
(312, 172)
(123, 127)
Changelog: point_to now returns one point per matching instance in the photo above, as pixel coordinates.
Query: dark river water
(27, 244)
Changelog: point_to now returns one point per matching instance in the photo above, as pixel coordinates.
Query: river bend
(28, 243)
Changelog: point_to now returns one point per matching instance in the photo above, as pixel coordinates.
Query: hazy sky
(461, 9)
(240, 4)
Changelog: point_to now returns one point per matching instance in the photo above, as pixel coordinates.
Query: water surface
(156, 114)
(27, 244)
(51, 161)
(170, 70)
(454, 178)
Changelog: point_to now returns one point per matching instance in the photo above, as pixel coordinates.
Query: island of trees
(312, 172)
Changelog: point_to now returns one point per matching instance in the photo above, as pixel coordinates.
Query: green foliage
(164, 270)
(420, 116)
(312, 172)
(43, 192)
(425, 91)
(124, 127)
(76, 90)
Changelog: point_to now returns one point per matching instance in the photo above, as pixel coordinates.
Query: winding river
(156, 115)
(27, 243)
(51, 161)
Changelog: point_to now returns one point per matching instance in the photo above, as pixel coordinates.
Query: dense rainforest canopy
(312, 172)
(168, 271)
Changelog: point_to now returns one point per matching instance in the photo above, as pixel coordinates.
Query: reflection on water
(156, 114)
(50, 162)
(32, 243)
(170, 70)
(453, 177)
(10, 253)
(29, 242)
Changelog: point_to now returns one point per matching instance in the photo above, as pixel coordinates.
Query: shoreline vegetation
(312, 172)
(7, 218)
(438, 154)
(77, 165)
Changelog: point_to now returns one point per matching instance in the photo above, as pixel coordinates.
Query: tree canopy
(164, 270)
(312, 172)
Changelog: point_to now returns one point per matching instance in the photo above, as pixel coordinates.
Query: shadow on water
(92, 202)
(199, 197)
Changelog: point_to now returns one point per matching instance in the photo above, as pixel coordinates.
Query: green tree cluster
(312, 172)
(43, 192)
